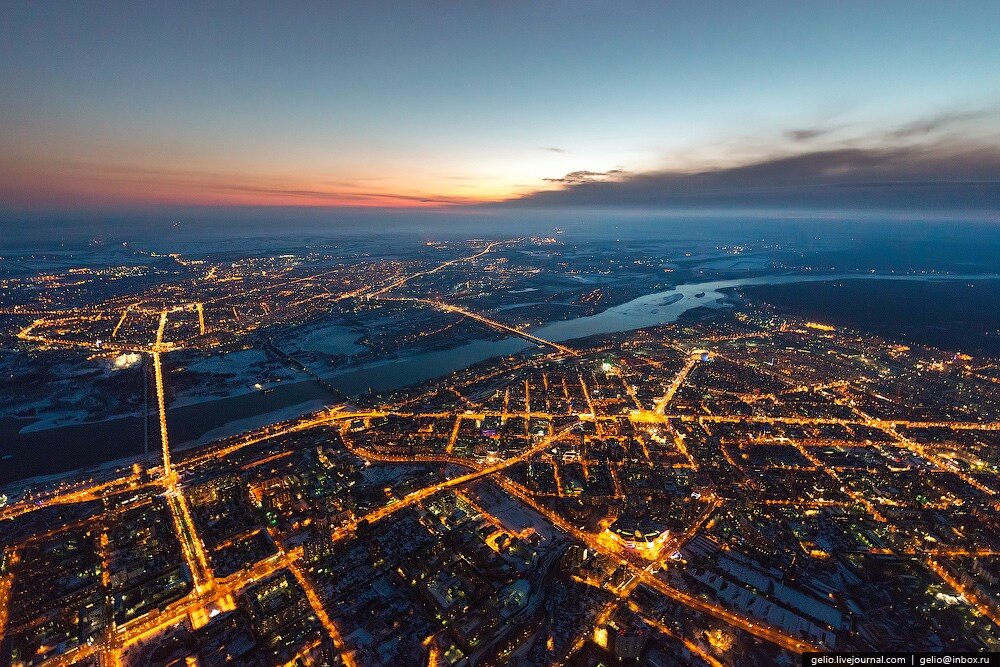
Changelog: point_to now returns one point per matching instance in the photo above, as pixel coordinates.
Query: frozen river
(71, 447)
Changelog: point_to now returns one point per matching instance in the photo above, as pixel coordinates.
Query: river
(71, 447)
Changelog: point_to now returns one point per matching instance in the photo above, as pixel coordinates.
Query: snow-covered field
(233, 374)
(333, 339)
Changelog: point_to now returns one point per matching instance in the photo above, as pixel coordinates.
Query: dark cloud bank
(937, 176)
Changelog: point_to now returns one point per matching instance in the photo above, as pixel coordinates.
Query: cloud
(949, 160)
(586, 176)
(936, 175)
(917, 129)
(927, 126)
(553, 149)
(322, 195)
(807, 134)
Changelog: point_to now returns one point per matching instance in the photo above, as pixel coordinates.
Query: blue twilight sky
(118, 105)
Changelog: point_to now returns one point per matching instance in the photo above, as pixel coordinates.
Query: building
(639, 534)
(627, 643)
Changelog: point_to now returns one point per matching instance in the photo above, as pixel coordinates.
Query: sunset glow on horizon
(108, 107)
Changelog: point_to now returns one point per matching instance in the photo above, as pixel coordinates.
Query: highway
(661, 403)
(402, 281)
(10, 559)
(191, 545)
(448, 308)
(320, 611)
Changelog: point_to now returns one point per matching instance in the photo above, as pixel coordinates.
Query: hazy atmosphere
(499, 333)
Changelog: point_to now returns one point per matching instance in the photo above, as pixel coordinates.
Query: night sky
(126, 106)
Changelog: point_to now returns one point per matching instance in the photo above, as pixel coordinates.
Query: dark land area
(953, 315)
